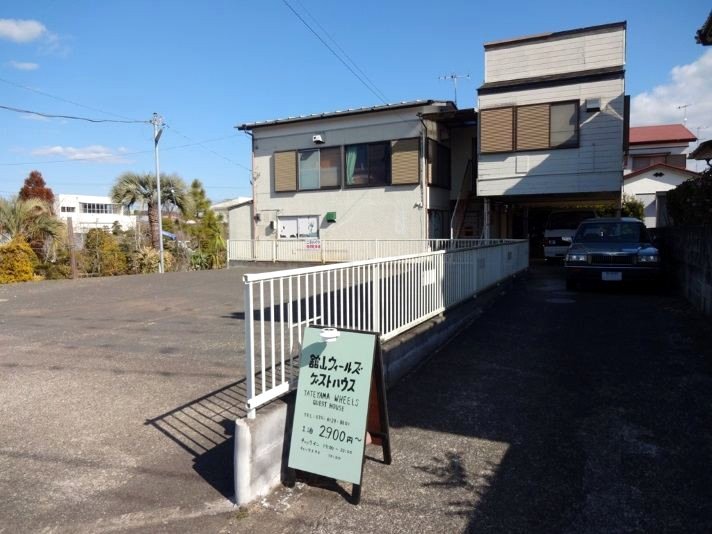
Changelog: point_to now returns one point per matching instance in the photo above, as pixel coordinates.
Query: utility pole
(454, 77)
(158, 124)
(72, 251)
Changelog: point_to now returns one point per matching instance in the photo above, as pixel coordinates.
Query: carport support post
(249, 350)
(487, 218)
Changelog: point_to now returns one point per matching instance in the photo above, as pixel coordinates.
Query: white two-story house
(552, 118)
(656, 162)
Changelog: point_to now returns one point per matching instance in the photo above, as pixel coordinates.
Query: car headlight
(576, 257)
(648, 258)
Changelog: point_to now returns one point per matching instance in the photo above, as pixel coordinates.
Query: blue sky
(207, 66)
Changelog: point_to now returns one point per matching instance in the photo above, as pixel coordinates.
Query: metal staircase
(467, 215)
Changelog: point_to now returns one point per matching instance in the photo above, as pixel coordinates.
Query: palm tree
(29, 219)
(131, 188)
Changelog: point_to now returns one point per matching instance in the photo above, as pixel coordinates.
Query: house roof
(704, 34)
(552, 35)
(347, 112)
(661, 133)
(548, 80)
(703, 151)
(232, 203)
(661, 166)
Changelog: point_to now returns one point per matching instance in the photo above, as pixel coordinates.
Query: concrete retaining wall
(688, 250)
(262, 444)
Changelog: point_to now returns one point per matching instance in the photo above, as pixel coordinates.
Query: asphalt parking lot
(116, 399)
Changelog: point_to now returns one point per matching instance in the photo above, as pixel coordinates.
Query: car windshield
(616, 232)
(567, 220)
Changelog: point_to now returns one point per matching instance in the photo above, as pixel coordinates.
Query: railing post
(249, 349)
(376, 297)
(322, 244)
(274, 251)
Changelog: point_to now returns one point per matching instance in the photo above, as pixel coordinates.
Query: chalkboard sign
(329, 427)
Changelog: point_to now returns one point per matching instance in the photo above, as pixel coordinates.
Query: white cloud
(689, 84)
(23, 65)
(21, 31)
(32, 117)
(93, 153)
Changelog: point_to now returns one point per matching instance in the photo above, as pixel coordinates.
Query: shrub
(690, 203)
(17, 262)
(146, 260)
(101, 255)
(632, 207)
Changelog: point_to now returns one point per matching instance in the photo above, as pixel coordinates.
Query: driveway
(555, 412)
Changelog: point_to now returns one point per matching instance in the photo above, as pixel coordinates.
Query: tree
(206, 229)
(30, 219)
(690, 203)
(632, 207)
(131, 188)
(35, 187)
(102, 255)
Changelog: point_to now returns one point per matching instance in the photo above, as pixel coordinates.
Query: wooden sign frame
(377, 423)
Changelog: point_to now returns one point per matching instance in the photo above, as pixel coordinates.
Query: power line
(71, 117)
(200, 144)
(373, 90)
(60, 99)
(336, 44)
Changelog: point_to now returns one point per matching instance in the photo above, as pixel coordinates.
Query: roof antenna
(684, 107)
(454, 77)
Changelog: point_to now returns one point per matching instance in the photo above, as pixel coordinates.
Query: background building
(89, 212)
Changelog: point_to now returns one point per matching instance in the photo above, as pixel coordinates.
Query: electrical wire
(340, 48)
(373, 90)
(60, 99)
(200, 144)
(71, 117)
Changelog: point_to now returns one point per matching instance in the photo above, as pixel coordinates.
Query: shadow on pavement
(205, 428)
(586, 414)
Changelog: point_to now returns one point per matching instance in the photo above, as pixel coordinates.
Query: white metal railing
(341, 250)
(384, 295)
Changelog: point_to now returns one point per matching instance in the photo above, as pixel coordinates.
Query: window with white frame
(98, 209)
(297, 227)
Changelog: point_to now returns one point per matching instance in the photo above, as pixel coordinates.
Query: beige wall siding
(240, 222)
(573, 53)
(390, 212)
(594, 166)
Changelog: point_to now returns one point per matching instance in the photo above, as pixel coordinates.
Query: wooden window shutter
(285, 171)
(533, 127)
(405, 161)
(496, 130)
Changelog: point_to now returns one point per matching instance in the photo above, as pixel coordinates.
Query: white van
(560, 229)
